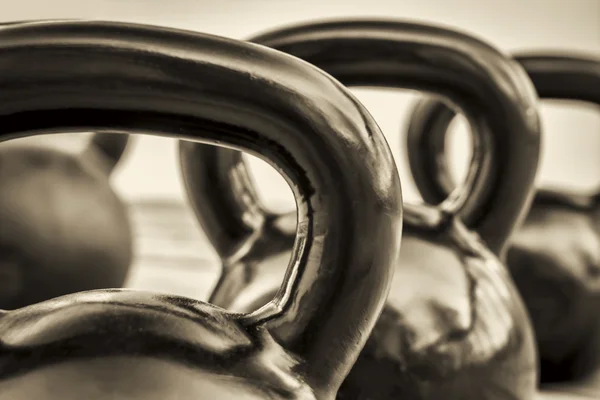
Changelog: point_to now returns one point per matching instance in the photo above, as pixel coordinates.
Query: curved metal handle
(127, 78)
(555, 76)
(495, 95)
(221, 193)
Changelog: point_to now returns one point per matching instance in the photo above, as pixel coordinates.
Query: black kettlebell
(125, 344)
(454, 326)
(63, 229)
(554, 257)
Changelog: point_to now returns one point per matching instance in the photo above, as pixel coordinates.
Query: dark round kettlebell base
(555, 263)
(138, 345)
(482, 349)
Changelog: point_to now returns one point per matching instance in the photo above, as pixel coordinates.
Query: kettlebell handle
(494, 92)
(238, 225)
(565, 76)
(126, 78)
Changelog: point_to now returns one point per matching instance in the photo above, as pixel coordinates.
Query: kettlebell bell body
(453, 326)
(63, 229)
(126, 78)
(554, 257)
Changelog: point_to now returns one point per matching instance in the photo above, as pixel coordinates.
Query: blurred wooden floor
(173, 256)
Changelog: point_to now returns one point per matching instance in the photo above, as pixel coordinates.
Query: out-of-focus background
(149, 177)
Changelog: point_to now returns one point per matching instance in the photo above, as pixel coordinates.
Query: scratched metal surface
(172, 255)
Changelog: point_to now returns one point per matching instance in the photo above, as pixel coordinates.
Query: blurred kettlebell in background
(62, 227)
(554, 257)
(453, 326)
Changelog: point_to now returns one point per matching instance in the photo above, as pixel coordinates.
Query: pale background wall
(572, 143)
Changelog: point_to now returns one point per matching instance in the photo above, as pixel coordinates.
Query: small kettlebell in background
(554, 257)
(62, 227)
(453, 326)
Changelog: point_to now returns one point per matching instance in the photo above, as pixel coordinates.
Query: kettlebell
(454, 326)
(127, 344)
(554, 257)
(63, 229)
